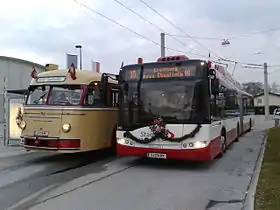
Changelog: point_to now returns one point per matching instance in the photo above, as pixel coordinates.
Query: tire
(238, 133)
(113, 146)
(223, 145)
(250, 125)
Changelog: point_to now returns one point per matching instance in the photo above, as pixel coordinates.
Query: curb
(249, 203)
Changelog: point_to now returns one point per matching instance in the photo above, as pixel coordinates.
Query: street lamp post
(80, 47)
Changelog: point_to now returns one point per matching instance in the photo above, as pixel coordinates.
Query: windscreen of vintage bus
(55, 95)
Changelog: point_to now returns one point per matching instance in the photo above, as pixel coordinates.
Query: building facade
(259, 102)
(15, 74)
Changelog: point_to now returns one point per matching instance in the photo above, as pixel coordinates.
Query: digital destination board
(169, 72)
(161, 72)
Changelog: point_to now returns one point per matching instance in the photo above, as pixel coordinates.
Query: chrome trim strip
(69, 108)
(43, 117)
(49, 138)
(49, 148)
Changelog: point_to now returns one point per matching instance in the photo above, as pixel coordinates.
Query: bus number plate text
(156, 155)
(41, 133)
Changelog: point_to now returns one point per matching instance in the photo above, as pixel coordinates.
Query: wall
(16, 72)
(273, 100)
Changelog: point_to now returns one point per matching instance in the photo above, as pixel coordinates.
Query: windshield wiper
(37, 100)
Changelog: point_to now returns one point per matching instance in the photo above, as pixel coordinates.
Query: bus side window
(93, 97)
(115, 98)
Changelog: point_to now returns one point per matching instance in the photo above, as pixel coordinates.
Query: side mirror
(215, 86)
(212, 73)
(124, 87)
(104, 88)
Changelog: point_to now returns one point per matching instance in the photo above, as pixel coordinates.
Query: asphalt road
(99, 181)
(25, 173)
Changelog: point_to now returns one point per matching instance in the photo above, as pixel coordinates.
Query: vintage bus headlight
(66, 127)
(22, 125)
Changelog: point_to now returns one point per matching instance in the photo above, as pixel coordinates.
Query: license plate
(41, 133)
(156, 155)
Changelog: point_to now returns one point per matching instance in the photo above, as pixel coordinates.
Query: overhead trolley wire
(154, 25)
(156, 43)
(229, 38)
(117, 23)
(125, 27)
(178, 28)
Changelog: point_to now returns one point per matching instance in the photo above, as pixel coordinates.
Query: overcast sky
(44, 31)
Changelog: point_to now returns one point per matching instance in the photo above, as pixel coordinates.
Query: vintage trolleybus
(66, 112)
(178, 108)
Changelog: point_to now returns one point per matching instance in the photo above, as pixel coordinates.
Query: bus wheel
(223, 145)
(113, 147)
(237, 133)
(250, 125)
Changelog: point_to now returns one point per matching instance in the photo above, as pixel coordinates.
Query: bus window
(37, 94)
(93, 97)
(65, 95)
(115, 98)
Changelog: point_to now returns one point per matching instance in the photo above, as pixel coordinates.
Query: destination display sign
(160, 72)
(169, 72)
(132, 74)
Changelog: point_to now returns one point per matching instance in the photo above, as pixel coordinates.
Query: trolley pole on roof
(266, 99)
(162, 45)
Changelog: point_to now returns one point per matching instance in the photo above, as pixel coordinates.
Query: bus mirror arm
(215, 86)
(104, 88)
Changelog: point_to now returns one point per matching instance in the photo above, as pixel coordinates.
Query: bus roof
(61, 77)
(229, 81)
(222, 72)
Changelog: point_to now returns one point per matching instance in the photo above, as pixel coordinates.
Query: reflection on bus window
(93, 97)
(38, 95)
(65, 95)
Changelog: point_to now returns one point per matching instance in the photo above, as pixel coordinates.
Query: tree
(274, 87)
(253, 88)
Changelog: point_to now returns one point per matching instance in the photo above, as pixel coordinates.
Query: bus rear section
(173, 110)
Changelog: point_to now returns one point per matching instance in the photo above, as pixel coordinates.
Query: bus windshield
(55, 95)
(38, 94)
(169, 100)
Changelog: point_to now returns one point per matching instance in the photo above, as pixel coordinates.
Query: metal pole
(266, 99)
(81, 65)
(162, 44)
(5, 110)
(241, 114)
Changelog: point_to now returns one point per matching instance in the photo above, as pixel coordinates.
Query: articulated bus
(66, 112)
(179, 108)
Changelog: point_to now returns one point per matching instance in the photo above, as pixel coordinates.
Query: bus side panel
(231, 129)
(93, 126)
(246, 120)
(215, 135)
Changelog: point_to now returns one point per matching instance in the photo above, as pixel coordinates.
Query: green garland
(163, 136)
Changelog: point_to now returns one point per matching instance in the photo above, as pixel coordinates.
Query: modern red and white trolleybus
(180, 108)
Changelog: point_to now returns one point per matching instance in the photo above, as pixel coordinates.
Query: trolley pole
(266, 99)
(162, 44)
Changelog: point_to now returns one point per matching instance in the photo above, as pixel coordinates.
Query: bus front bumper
(50, 143)
(202, 154)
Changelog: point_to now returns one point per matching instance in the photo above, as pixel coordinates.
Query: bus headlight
(195, 145)
(200, 144)
(22, 125)
(66, 127)
(125, 142)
